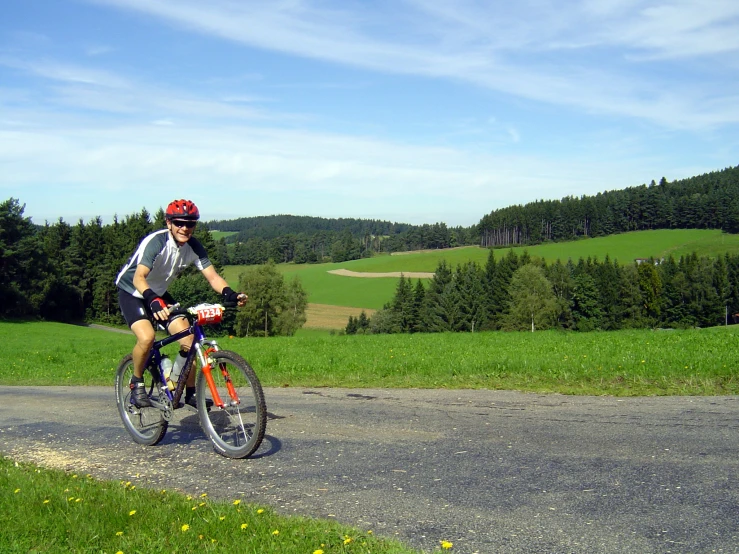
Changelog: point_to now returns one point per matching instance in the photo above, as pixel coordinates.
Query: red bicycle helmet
(182, 209)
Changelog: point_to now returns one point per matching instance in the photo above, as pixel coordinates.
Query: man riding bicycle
(142, 289)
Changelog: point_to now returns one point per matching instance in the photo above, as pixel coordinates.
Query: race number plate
(209, 315)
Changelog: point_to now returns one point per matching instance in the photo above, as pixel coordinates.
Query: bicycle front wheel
(237, 429)
(145, 425)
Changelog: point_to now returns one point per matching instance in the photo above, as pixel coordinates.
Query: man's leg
(144, 332)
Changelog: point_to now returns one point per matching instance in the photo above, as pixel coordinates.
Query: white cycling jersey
(166, 259)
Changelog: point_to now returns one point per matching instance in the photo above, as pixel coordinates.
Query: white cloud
(512, 47)
(118, 138)
(288, 171)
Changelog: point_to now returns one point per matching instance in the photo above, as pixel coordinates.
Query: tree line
(523, 293)
(301, 239)
(67, 273)
(708, 201)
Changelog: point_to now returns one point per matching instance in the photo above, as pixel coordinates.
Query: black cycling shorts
(135, 309)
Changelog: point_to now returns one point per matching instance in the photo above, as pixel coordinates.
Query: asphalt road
(492, 472)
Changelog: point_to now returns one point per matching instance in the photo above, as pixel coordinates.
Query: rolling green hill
(336, 290)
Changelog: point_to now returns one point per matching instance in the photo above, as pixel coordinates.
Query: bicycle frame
(199, 341)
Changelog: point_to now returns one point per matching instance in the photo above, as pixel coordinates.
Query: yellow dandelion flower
(185, 528)
(119, 552)
(119, 534)
(194, 508)
(260, 511)
(47, 501)
(319, 551)
(78, 500)
(201, 537)
(201, 504)
(446, 545)
(132, 512)
(244, 525)
(347, 540)
(204, 495)
(275, 532)
(74, 476)
(237, 502)
(16, 491)
(189, 497)
(70, 499)
(164, 491)
(222, 518)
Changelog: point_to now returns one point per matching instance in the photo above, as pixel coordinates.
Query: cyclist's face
(180, 230)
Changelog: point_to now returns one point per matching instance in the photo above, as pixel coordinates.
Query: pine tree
(402, 304)
(351, 326)
(499, 299)
(419, 293)
(560, 277)
(586, 308)
(469, 283)
(435, 311)
(24, 273)
(363, 322)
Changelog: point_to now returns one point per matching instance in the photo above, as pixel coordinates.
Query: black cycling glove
(230, 296)
(155, 303)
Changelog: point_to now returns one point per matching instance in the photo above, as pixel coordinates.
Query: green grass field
(325, 288)
(218, 235)
(59, 512)
(622, 363)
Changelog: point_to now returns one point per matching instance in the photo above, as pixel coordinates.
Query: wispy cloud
(280, 170)
(275, 140)
(88, 88)
(65, 72)
(98, 50)
(516, 48)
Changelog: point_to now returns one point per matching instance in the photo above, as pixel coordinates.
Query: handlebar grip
(176, 310)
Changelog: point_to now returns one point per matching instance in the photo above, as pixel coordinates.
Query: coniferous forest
(66, 272)
(520, 293)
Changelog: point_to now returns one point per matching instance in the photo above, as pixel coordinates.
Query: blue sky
(415, 111)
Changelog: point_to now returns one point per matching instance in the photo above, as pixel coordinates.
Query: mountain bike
(230, 400)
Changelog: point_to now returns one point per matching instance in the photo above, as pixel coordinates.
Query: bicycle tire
(146, 426)
(236, 431)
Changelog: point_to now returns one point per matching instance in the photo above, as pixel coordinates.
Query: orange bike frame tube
(229, 383)
(212, 386)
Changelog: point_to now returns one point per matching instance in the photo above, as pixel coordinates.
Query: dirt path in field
(408, 274)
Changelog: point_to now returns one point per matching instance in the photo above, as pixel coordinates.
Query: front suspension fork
(206, 363)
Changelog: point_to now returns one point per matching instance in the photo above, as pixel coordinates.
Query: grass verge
(53, 511)
(619, 363)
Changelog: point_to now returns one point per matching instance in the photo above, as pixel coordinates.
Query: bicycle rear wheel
(145, 425)
(237, 429)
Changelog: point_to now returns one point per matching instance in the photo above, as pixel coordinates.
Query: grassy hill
(327, 289)
(218, 235)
